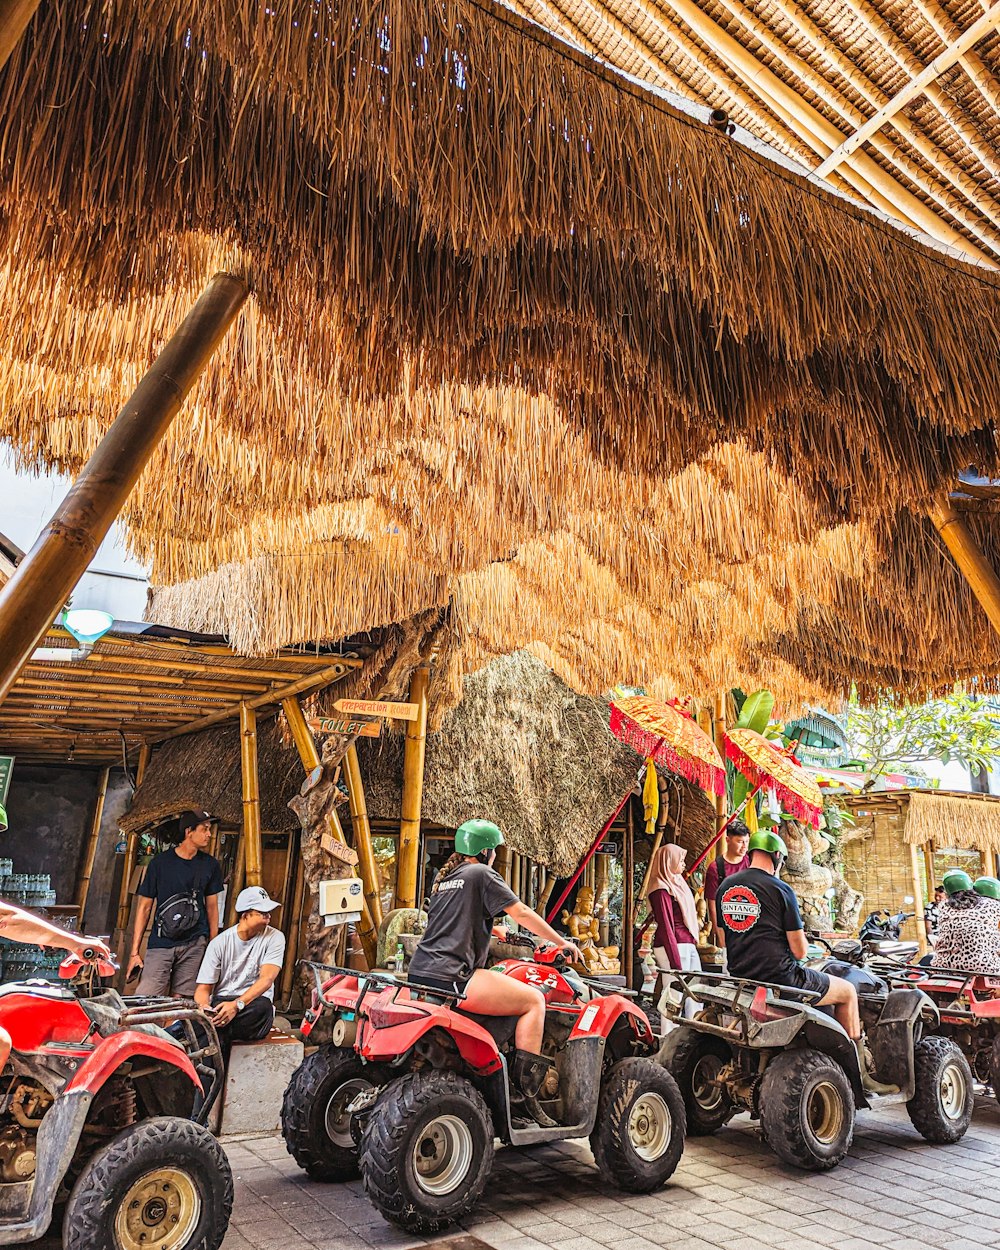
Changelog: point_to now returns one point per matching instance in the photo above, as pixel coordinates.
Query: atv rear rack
(743, 1011)
(379, 980)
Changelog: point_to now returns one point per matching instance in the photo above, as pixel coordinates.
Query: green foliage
(958, 729)
(755, 714)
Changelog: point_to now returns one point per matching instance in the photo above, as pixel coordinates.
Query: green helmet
(955, 880)
(476, 836)
(768, 842)
(989, 887)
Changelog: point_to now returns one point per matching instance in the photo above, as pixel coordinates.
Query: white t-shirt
(232, 965)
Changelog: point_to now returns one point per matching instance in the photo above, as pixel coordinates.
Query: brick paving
(893, 1192)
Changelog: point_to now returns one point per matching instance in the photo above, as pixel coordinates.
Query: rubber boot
(527, 1077)
(867, 1080)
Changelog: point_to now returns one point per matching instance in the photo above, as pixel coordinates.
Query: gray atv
(771, 1051)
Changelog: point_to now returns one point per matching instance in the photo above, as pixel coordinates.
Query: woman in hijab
(675, 942)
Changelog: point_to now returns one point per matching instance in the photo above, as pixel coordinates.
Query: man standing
(734, 858)
(183, 886)
(236, 978)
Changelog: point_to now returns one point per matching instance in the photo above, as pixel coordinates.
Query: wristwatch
(240, 1004)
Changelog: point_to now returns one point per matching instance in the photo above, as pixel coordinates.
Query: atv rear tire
(695, 1062)
(162, 1181)
(427, 1150)
(941, 1107)
(807, 1109)
(314, 1120)
(638, 1136)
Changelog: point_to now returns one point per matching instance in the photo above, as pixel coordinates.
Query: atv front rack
(193, 1028)
(721, 983)
(377, 979)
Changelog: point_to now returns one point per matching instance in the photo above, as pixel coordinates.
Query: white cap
(255, 898)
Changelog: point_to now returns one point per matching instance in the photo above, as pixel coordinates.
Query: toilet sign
(353, 726)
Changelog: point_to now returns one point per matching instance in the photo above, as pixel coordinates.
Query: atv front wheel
(941, 1107)
(162, 1182)
(315, 1122)
(807, 1109)
(639, 1132)
(427, 1150)
(695, 1064)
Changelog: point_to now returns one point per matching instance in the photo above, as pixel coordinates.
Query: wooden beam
(918, 898)
(14, 18)
(408, 853)
(45, 577)
(90, 847)
(236, 883)
(294, 927)
(251, 795)
(278, 694)
(969, 557)
(979, 29)
(946, 30)
(362, 833)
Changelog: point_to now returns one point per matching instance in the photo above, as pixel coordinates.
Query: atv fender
(892, 1039)
(393, 1029)
(26, 1207)
(599, 1018)
(120, 1048)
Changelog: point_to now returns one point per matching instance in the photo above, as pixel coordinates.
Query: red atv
(103, 1114)
(970, 1014)
(414, 1090)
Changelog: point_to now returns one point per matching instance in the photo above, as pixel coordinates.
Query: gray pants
(172, 972)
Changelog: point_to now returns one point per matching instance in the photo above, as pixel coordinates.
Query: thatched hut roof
(524, 750)
(519, 330)
(203, 770)
(943, 817)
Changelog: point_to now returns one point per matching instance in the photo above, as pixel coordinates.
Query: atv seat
(105, 1011)
(500, 1028)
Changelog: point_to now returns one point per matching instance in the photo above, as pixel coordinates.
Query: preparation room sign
(375, 707)
(6, 767)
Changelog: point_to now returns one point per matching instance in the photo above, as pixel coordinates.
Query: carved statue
(585, 930)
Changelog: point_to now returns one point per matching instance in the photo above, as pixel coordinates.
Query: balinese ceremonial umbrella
(770, 767)
(666, 734)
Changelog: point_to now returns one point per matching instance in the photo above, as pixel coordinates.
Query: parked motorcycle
(882, 932)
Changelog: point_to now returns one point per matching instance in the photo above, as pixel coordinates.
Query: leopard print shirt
(968, 938)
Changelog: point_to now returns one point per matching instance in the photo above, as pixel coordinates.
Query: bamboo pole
(90, 848)
(131, 845)
(544, 893)
(42, 582)
(918, 898)
(251, 794)
(721, 809)
(309, 755)
(238, 878)
(969, 557)
(628, 922)
(408, 854)
(14, 18)
(294, 927)
(362, 833)
(503, 862)
(929, 867)
(982, 77)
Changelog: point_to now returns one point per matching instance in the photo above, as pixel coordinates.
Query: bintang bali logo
(740, 908)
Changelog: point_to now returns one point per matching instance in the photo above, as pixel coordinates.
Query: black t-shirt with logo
(169, 874)
(459, 923)
(757, 911)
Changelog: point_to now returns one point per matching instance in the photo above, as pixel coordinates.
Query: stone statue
(585, 930)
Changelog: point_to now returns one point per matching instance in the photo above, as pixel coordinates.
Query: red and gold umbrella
(767, 766)
(666, 734)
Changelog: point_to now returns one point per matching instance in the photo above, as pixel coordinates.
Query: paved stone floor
(893, 1192)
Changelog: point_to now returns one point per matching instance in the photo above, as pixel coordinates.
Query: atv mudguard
(599, 1017)
(26, 1206)
(120, 1048)
(387, 1043)
(891, 1041)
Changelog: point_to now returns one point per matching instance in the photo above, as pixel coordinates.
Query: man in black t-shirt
(765, 936)
(181, 890)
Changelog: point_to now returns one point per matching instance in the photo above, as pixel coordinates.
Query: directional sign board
(353, 727)
(373, 707)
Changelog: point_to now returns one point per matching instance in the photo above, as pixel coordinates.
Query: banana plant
(755, 714)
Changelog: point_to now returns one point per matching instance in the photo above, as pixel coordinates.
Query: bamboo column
(546, 885)
(408, 853)
(721, 807)
(502, 863)
(14, 18)
(918, 898)
(929, 868)
(237, 882)
(628, 923)
(969, 557)
(253, 849)
(131, 844)
(90, 850)
(308, 754)
(294, 928)
(42, 582)
(362, 833)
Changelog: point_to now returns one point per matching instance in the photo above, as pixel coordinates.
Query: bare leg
(493, 994)
(843, 998)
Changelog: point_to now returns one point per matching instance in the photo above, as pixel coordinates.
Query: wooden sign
(373, 707)
(338, 850)
(353, 727)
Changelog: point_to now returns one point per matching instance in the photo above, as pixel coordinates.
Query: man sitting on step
(236, 978)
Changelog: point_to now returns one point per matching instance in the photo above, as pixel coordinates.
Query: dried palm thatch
(203, 770)
(524, 750)
(524, 339)
(952, 820)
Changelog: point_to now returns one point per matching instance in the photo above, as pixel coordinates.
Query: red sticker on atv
(740, 908)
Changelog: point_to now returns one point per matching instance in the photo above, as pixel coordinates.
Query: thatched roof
(203, 770)
(946, 818)
(524, 750)
(522, 335)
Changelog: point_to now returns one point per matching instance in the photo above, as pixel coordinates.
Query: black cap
(190, 819)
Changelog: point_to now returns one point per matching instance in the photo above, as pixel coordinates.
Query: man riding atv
(455, 949)
(765, 936)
